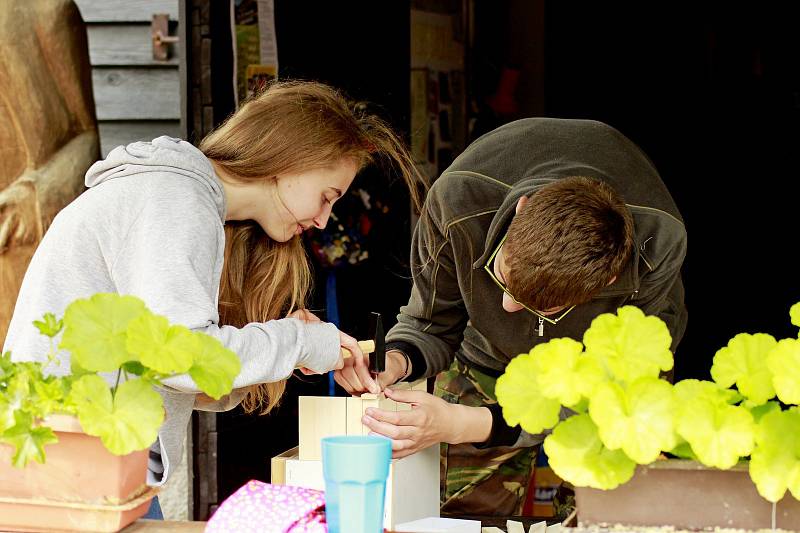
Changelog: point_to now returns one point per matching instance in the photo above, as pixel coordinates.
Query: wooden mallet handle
(366, 347)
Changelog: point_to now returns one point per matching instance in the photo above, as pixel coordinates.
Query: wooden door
(137, 97)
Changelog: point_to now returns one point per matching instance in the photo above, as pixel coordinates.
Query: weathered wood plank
(125, 10)
(117, 132)
(183, 75)
(125, 44)
(136, 93)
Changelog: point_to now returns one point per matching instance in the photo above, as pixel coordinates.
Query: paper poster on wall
(258, 76)
(255, 44)
(266, 29)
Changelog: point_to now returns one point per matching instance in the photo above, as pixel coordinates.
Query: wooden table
(500, 521)
(164, 526)
(169, 526)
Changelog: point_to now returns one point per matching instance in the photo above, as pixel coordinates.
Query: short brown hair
(571, 238)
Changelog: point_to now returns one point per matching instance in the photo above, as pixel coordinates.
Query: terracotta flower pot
(686, 495)
(81, 486)
(24, 514)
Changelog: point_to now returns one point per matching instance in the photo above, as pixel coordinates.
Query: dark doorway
(712, 94)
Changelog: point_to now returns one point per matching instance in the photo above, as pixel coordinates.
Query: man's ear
(520, 204)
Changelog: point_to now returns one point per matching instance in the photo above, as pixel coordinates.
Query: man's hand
(430, 421)
(353, 382)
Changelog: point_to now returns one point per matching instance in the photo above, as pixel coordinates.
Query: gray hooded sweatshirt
(151, 225)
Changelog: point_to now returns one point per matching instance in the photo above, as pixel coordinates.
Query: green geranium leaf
(581, 407)
(688, 391)
(794, 314)
(77, 370)
(95, 330)
(66, 404)
(6, 414)
(590, 372)
(563, 373)
(718, 433)
(744, 362)
(702, 418)
(523, 403)
(134, 367)
(49, 325)
(638, 419)
(215, 367)
(126, 422)
(630, 344)
(684, 451)
(775, 461)
(784, 364)
(49, 395)
(758, 411)
(6, 366)
(15, 399)
(164, 348)
(577, 455)
(734, 397)
(555, 369)
(28, 441)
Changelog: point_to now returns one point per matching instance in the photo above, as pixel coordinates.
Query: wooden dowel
(366, 347)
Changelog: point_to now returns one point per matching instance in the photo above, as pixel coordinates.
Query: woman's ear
(520, 204)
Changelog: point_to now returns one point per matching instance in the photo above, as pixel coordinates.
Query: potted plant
(90, 430)
(734, 447)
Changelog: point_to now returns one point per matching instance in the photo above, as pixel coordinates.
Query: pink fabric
(259, 507)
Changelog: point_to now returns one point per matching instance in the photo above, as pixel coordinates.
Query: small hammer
(376, 348)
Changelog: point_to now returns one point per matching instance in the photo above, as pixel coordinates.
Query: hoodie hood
(163, 154)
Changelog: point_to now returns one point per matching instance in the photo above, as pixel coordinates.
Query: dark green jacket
(455, 309)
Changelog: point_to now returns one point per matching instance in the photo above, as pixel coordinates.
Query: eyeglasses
(489, 270)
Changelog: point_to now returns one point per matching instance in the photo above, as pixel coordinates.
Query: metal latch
(159, 30)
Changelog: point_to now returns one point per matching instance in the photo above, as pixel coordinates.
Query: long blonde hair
(290, 127)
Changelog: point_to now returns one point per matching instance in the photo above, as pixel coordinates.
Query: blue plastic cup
(355, 470)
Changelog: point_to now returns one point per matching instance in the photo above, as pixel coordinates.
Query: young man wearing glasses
(537, 228)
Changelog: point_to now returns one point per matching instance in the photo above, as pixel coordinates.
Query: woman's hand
(354, 375)
(350, 380)
(430, 421)
(307, 316)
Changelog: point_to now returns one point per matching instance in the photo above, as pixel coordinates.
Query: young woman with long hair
(210, 238)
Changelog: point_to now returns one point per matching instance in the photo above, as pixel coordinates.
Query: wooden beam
(320, 417)
(136, 93)
(125, 44)
(278, 465)
(125, 10)
(183, 65)
(205, 491)
(366, 348)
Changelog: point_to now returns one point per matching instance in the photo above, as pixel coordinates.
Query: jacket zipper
(541, 327)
